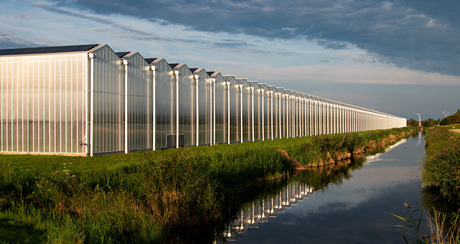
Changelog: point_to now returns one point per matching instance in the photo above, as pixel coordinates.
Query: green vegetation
(441, 181)
(138, 197)
(453, 119)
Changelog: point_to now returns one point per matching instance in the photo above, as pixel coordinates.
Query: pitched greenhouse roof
(149, 60)
(54, 49)
(122, 54)
(173, 65)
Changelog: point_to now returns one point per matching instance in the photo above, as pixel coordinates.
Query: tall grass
(137, 197)
(441, 184)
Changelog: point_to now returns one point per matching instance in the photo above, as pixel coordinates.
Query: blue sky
(399, 57)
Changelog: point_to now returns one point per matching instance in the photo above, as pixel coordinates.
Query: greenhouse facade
(88, 100)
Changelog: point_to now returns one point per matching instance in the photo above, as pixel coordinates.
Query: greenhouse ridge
(88, 100)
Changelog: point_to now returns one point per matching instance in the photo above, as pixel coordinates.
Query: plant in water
(413, 223)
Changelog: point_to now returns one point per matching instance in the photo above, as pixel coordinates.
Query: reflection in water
(376, 157)
(261, 210)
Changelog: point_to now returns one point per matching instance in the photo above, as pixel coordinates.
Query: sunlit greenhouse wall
(235, 109)
(44, 103)
(164, 103)
(187, 104)
(276, 112)
(139, 97)
(108, 132)
(256, 111)
(89, 100)
(267, 104)
(220, 108)
(245, 99)
(204, 106)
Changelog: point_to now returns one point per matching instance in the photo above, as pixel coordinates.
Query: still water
(349, 204)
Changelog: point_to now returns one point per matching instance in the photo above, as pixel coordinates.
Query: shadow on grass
(16, 232)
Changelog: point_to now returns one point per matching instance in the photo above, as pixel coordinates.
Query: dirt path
(456, 130)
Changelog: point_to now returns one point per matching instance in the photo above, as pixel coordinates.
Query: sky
(399, 57)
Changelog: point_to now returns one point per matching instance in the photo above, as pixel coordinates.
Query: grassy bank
(136, 197)
(441, 181)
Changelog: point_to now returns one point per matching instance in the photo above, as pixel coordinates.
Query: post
(263, 114)
(252, 109)
(154, 81)
(228, 111)
(197, 110)
(125, 63)
(176, 73)
(91, 108)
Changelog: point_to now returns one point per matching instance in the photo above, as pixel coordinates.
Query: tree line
(452, 119)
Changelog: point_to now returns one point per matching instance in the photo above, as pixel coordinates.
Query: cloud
(7, 40)
(419, 35)
(127, 31)
(334, 45)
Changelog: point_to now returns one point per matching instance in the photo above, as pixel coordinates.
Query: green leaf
(404, 225)
(405, 239)
(402, 218)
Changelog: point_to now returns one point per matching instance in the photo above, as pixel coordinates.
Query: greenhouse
(89, 100)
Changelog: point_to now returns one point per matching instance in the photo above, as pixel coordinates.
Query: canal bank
(136, 197)
(441, 181)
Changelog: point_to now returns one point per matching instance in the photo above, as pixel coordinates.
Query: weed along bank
(88, 100)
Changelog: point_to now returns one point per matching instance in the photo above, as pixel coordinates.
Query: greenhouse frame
(87, 100)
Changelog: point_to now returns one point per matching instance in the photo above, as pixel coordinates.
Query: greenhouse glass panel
(165, 103)
(108, 105)
(204, 106)
(220, 108)
(246, 110)
(235, 109)
(256, 115)
(187, 104)
(138, 98)
(270, 112)
(42, 110)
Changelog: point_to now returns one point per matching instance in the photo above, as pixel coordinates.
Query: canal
(349, 203)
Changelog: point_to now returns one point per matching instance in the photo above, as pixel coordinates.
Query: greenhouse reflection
(260, 211)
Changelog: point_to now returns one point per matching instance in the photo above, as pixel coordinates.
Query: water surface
(352, 209)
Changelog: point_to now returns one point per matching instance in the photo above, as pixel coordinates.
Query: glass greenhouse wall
(88, 100)
(220, 108)
(256, 112)
(43, 109)
(138, 111)
(235, 109)
(245, 110)
(203, 106)
(164, 103)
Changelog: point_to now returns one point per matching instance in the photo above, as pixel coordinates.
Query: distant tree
(453, 119)
(430, 122)
(412, 122)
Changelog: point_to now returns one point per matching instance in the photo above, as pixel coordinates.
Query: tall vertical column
(252, 109)
(228, 112)
(176, 73)
(154, 126)
(125, 63)
(197, 78)
(263, 113)
(91, 107)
